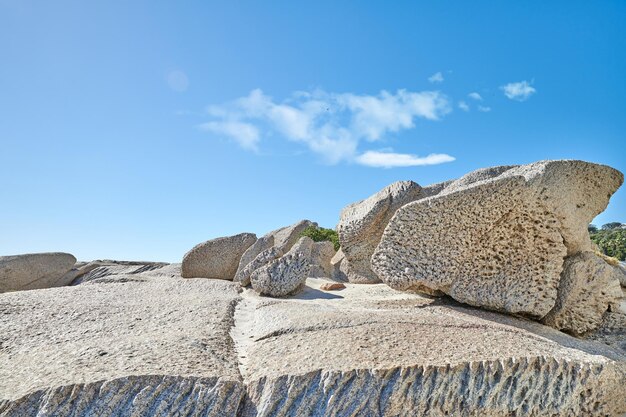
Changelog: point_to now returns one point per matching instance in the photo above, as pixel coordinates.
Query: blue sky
(134, 130)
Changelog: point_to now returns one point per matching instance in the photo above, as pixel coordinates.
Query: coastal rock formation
(362, 224)
(217, 258)
(588, 286)
(167, 346)
(281, 240)
(262, 259)
(337, 267)
(35, 270)
(287, 274)
(321, 254)
(371, 351)
(157, 347)
(498, 242)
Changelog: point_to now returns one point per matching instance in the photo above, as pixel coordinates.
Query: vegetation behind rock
(610, 240)
(321, 234)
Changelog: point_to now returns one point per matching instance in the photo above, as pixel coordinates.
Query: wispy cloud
(381, 159)
(484, 109)
(475, 96)
(519, 91)
(329, 124)
(463, 106)
(436, 78)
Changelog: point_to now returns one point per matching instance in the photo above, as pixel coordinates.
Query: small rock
(332, 286)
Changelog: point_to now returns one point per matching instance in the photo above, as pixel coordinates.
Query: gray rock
(371, 351)
(321, 255)
(217, 258)
(362, 224)
(622, 273)
(499, 242)
(287, 274)
(154, 348)
(281, 239)
(588, 286)
(35, 270)
(262, 259)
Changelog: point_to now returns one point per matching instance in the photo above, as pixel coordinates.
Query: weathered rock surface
(588, 286)
(262, 259)
(362, 224)
(497, 242)
(167, 346)
(336, 271)
(321, 255)
(287, 274)
(622, 273)
(35, 270)
(370, 351)
(282, 240)
(217, 258)
(160, 347)
(102, 270)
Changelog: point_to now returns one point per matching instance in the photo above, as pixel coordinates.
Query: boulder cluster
(484, 296)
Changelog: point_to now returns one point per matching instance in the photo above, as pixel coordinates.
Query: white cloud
(379, 159)
(475, 96)
(436, 78)
(484, 109)
(519, 91)
(463, 106)
(245, 134)
(330, 124)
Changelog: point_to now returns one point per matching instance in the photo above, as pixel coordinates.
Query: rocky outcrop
(374, 352)
(104, 270)
(35, 270)
(158, 347)
(621, 273)
(337, 267)
(287, 274)
(498, 239)
(362, 224)
(167, 346)
(321, 255)
(217, 258)
(281, 240)
(588, 286)
(262, 259)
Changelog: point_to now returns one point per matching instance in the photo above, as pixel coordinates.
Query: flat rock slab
(167, 346)
(372, 351)
(154, 347)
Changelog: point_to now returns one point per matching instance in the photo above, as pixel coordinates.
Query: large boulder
(217, 258)
(500, 240)
(281, 239)
(35, 270)
(321, 255)
(362, 224)
(262, 259)
(287, 274)
(588, 286)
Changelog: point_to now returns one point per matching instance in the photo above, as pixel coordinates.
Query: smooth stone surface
(217, 258)
(321, 255)
(35, 270)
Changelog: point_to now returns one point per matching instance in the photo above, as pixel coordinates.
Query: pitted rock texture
(262, 259)
(217, 258)
(588, 286)
(156, 347)
(362, 224)
(321, 254)
(287, 274)
(281, 239)
(499, 242)
(262, 244)
(35, 270)
(371, 351)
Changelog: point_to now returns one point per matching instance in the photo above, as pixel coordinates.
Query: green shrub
(612, 242)
(321, 234)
